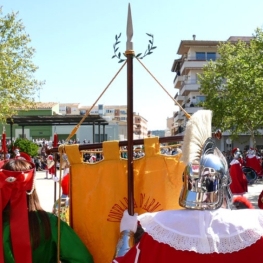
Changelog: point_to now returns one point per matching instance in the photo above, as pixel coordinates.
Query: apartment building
(140, 129)
(193, 55)
(116, 115)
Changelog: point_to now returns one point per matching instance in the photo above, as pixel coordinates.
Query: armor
(206, 177)
(236, 153)
(206, 182)
(125, 243)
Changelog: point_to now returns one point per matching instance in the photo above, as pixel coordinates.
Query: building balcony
(178, 117)
(189, 86)
(187, 64)
(180, 99)
(192, 110)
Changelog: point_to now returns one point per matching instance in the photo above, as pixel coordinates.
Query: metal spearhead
(129, 31)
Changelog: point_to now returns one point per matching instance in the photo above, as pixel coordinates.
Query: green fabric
(72, 249)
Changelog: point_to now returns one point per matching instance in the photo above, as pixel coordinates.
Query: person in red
(253, 161)
(240, 157)
(50, 168)
(205, 231)
(239, 184)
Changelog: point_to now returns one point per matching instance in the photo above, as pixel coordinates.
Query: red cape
(239, 180)
(254, 163)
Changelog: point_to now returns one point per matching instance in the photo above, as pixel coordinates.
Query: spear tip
(129, 31)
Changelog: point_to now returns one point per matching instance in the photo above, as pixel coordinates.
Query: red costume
(218, 236)
(50, 168)
(237, 155)
(239, 182)
(253, 161)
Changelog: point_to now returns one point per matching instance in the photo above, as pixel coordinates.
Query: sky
(74, 46)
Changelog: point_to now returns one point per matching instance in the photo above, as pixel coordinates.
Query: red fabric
(65, 184)
(55, 140)
(155, 252)
(25, 156)
(51, 170)
(241, 160)
(244, 200)
(234, 150)
(260, 200)
(254, 163)
(239, 180)
(13, 186)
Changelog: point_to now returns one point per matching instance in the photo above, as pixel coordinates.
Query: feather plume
(198, 130)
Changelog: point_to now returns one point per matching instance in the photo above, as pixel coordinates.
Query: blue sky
(74, 45)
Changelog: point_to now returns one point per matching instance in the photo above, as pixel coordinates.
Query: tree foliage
(26, 146)
(17, 82)
(233, 86)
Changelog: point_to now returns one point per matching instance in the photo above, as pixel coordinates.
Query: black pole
(130, 131)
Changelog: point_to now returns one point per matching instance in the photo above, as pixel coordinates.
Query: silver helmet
(206, 178)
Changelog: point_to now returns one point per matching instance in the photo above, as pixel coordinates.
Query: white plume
(198, 130)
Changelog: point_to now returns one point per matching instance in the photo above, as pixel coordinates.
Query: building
(193, 55)
(115, 116)
(33, 132)
(140, 130)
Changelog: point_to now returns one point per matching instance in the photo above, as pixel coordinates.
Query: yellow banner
(99, 192)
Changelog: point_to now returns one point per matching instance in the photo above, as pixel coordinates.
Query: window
(200, 99)
(206, 56)
(200, 55)
(211, 56)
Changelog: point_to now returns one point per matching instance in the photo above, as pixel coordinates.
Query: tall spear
(4, 149)
(55, 144)
(130, 54)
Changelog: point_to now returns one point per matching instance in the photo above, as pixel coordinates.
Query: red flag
(55, 140)
(4, 149)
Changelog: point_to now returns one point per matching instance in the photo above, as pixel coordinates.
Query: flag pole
(4, 142)
(129, 55)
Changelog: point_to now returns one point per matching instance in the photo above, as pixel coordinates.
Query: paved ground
(254, 191)
(46, 189)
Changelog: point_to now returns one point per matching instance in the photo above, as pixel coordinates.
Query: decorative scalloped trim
(198, 244)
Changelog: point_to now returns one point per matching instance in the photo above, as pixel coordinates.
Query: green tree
(17, 83)
(26, 146)
(233, 86)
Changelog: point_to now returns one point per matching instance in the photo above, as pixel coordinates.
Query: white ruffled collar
(205, 232)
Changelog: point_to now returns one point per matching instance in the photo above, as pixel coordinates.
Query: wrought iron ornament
(148, 51)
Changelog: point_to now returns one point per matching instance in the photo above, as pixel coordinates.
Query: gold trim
(129, 52)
